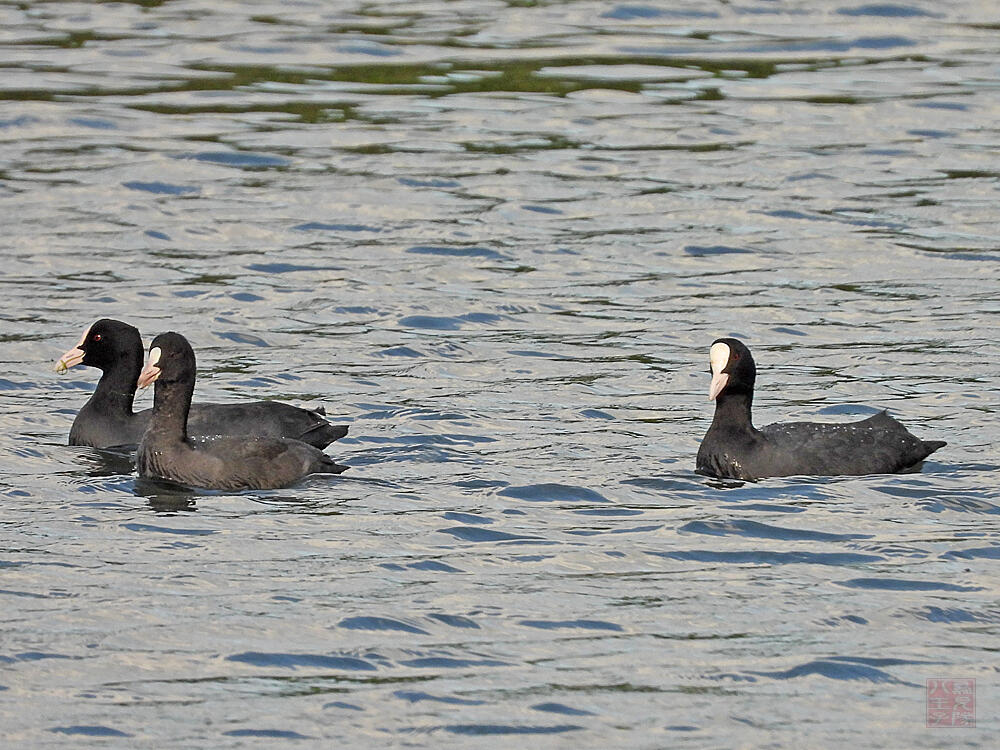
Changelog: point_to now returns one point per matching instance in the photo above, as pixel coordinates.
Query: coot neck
(732, 411)
(115, 391)
(171, 404)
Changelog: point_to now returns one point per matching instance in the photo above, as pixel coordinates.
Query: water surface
(497, 239)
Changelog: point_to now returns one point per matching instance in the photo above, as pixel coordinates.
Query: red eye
(736, 357)
(97, 337)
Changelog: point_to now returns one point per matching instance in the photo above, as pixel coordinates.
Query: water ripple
(91, 730)
(901, 584)
(770, 557)
(293, 661)
(484, 730)
(741, 527)
(378, 623)
(551, 492)
(833, 670)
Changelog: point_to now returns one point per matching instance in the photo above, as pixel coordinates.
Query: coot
(734, 449)
(107, 420)
(218, 463)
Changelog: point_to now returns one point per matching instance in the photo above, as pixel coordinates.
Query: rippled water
(497, 238)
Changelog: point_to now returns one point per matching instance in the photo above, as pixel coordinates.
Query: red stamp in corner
(951, 703)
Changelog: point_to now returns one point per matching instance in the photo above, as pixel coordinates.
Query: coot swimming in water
(220, 463)
(107, 419)
(734, 449)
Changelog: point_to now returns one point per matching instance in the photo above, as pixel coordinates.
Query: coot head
(102, 345)
(171, 360)
(733, 368)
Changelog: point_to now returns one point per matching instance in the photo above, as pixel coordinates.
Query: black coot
(218, 463)
(734, 449)
(107, 420)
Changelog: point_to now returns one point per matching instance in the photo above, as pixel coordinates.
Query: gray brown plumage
(222, 463)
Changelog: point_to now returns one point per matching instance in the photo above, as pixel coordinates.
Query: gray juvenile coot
(218, 463)
(734, 449)
(107, 419)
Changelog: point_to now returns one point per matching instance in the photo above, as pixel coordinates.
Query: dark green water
(498, 240)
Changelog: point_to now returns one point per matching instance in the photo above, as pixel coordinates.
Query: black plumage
(221, 463)
(734, 449)
(107, 419)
